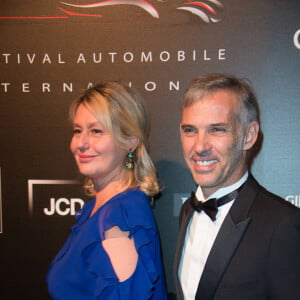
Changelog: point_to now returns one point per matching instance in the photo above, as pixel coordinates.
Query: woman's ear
(133, 142)
(251, 135)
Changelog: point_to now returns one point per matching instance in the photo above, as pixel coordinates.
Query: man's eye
(188, 130)
(218, 129)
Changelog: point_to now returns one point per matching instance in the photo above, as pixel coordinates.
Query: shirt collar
(222, 191)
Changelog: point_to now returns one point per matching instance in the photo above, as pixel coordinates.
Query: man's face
(213, 141)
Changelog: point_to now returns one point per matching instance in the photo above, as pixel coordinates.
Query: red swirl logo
(207, 11)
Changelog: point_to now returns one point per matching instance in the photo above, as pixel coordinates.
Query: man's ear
(251, 135)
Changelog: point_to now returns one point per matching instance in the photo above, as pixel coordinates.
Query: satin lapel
(219, 257)
(185, 218)
(227, 241)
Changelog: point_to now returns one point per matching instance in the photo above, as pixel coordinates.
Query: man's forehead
(224, 94)
(222, 101)
(201, 115)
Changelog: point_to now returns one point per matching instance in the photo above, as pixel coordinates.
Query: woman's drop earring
(129, 164)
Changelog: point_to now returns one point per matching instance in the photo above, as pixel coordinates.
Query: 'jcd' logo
(63, 206)
(41, 190)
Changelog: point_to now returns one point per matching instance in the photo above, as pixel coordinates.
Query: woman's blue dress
(82, 269)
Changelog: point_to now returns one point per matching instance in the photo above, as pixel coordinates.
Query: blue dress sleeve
(130, 211)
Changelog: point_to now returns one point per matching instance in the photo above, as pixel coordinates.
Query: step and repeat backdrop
(51, 50)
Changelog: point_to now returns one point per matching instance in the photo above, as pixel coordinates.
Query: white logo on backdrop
(297, 39)
(110, 57)
(61, 206)
(294, 199)
(180, 198)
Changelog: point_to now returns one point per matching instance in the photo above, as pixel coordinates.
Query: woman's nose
(83, 147)
(83, 142)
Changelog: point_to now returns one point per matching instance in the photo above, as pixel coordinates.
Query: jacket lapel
(227, 241)
(220, 255)
(185, 216)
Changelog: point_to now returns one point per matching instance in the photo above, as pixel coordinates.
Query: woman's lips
(86, 158)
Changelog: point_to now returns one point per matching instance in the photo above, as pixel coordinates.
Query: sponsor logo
(145, 5)
(39, 202)
(63, 206)
(112, 57)
(294, 199)
(178, 200)
(296, 39)
(206, 11)
(136, 58)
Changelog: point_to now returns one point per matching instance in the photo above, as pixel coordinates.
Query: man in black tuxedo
(249, 246)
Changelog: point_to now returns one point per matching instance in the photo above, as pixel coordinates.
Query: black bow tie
(210, 207)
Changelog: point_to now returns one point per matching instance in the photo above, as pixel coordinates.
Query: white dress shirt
(200, 236)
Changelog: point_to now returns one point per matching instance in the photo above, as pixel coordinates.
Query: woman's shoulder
(128, 210)
(135, 201)
(134, 197)
(130, 199)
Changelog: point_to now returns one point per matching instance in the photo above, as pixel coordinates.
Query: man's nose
(202, 144)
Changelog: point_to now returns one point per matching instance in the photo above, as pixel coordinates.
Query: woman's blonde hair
(124, 116)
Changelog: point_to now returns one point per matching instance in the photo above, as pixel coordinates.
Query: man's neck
(201, 195)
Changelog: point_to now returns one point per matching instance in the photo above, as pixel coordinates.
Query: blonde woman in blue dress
(113, 251)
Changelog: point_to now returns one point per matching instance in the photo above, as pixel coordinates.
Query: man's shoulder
(268, 200)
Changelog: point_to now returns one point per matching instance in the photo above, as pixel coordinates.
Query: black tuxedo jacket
(256, 254)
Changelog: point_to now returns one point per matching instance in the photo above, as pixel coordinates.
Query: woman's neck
(105, 193)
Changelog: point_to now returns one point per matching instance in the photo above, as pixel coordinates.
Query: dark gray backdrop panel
(46, 58)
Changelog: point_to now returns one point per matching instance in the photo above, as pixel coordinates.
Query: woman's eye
(76, 131)
(97, 131)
